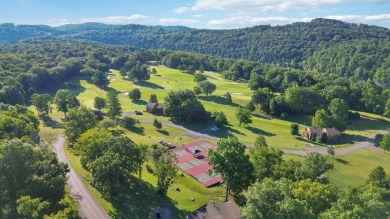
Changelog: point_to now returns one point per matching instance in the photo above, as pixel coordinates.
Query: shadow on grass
(261, 116)
(138, 130)
(193, 126)
(217, 99)
(148, 85)
(72, 84)
(139, 102)
(49, 122)
(108, 89)
(117, 132)
(240, 199)
(342, 161)
(259, 131)
(139, 201)
(350, 139)
(164, 132)
(300, 119)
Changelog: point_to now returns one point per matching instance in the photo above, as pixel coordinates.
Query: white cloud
(181, 10)
(135, 18)
(55, 22)
(199, 16)
(177, 21)
(263, 6)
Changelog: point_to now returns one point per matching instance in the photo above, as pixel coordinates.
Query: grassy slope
(275, 131)
(351, 170)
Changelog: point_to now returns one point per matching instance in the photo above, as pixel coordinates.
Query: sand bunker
(237, 93)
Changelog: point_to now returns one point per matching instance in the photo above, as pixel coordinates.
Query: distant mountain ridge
(300, 45)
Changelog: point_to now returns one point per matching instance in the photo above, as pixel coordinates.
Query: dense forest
(323, 45)
(36, 64)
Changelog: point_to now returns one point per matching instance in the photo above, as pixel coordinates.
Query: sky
(204, 14)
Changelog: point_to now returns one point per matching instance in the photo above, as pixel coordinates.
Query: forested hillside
(35, 64)
(323, 45)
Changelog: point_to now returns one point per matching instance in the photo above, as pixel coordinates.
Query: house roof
(151, 105)
(317, 131)
(155, 105)
(160, 106)
(331, 131)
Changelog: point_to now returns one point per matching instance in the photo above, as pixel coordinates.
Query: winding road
(89, 208)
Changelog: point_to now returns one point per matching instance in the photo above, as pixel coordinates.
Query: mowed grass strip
(353, 169)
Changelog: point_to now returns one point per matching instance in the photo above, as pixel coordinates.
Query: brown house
(156, 108)
(326, 134)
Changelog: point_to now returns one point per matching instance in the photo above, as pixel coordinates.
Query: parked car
(214, 129)
(137, 112)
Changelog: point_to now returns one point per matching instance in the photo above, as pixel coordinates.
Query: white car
(214, 129)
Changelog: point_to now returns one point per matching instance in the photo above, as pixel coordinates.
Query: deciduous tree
(65, 100)
(207, 87)
(41, 102)
(385, 142)
(135, 94)
(198, 77)
(99, 103)
(220, 119)
(230, 160)
(114, 108)
(78, 121)
(166, 173)
(243, 115)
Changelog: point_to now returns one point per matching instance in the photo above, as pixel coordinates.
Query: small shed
(155, 108)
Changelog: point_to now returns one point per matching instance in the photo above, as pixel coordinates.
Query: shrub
(353, 115)
(319, 139)
(157, 124)
(284, 116)
(128, 122)
(294, 129)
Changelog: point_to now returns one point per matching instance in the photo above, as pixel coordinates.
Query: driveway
(366, 144)
(89, 208)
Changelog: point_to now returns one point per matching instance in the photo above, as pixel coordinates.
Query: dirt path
(89, 208)
(367, 144)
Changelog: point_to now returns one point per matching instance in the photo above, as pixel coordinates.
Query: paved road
(367, 144)
(89, 208)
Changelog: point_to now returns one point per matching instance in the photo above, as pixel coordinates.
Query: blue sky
(210, 14)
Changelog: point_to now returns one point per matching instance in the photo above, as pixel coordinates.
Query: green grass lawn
(140, 199)
(276, 131)
(353, 169)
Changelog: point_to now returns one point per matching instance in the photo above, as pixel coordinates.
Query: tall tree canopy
(114, 108)
(230, 160)
(184, 105)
